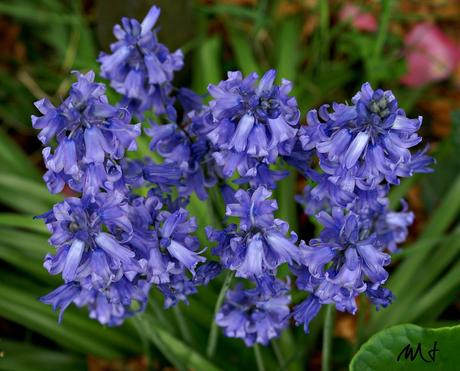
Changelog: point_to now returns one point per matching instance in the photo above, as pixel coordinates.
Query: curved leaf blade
(410, 348)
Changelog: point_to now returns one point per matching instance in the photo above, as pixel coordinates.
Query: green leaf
(399, 192)
(31, 267)
(287, 63)
(438, 263)
(242, 49)
(201, 210)
(77, 332)
(376, 61)
(287, 206)
(33, 14)
(208, 58)
(23, 221)
(439, 222)
(21, 356)
(448, 284)
(14, 160)
(382, 351)
(177, 352)
(288, 56)
(32, 245)
(25, 194)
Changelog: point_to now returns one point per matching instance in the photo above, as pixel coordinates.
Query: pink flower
(430, 55)
(358, 18)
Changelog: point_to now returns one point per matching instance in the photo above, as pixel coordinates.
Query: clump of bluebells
(126, 229)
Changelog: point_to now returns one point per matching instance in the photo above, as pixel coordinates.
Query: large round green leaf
(410, 347)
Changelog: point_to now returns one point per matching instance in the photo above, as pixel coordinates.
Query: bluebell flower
(392, 227)
(92, 137)
(260, 174)
(62, 297)
(310, 203)
(85, 233)
(192, 157)
(100, 267)
(255, 315)
(110, 306)
(164, 238)
(206, 272)
(112, 249)
(178, 289)
(174, 232)
(306, 311)
(248, 120)
(343, 262)
(139, 67)
(164, 176)
(260, 244)
(179, 286)
(189, 100)
(380, 296)
(367, 143)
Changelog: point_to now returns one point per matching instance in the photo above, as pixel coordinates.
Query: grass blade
(21, 356)
(243, 52)
(14, 160)
(77, 332)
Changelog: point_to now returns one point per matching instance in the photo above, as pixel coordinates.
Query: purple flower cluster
(110, 251)
(254, 249)
(258, 246)
(362, 146)
(250, 124)
(113, 245)
(191, 155)
(140, 68)
(91, 135)
(255, 315)
(362, 150)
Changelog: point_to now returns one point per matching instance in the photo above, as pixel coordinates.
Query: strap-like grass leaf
(77, 332)
(22, 356)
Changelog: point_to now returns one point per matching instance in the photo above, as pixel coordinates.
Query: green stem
(137, 323)
(157, 311)
(278, 354)
(159, 343)
(183, 327)
(327, 338)
(287, 204)
(212, 340)
(259, 359)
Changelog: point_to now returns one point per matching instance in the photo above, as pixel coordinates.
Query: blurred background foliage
(328, 48)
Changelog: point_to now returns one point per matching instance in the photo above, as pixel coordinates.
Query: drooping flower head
(86, 233)
(111, 306)
(250, 120)
(99, 266)
(367, 143)
(115, 246)
(180, 286)
(140, 68)
(256, 315)
(260, 244)
(92, 137)
(190, 154)
(346, 260)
